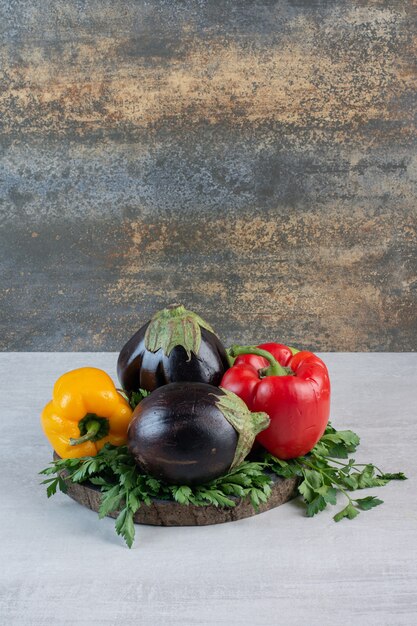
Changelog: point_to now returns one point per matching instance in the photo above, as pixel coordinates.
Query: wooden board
(164, 513)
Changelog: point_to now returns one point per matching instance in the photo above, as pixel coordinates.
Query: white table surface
(61, 565)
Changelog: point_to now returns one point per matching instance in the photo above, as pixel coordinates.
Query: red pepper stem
(274, 369)
(93, 426)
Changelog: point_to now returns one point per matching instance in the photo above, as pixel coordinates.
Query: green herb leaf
(110, 501)
(125, 526)
(306, 491)
(330, 495)
(349, 511)
(313, 485)
(367, 478)
(52, 487)
(397, 476)
(346, 437)
(153, 484)
(283, 468)
(133, 500)
(368, 503)
(316, 505)
(349, 482)
(337, 444)
(182, 494)
(98, 480)
(212, 496)
(137, 396)
(62, 484)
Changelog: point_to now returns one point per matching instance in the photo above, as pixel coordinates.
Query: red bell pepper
(292, 387)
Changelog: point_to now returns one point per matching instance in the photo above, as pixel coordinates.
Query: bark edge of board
(168, 513)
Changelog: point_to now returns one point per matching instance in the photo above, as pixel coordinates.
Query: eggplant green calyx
(274, 369)
(230, 359)
(175, 326)
(246, 423)
(92, 428)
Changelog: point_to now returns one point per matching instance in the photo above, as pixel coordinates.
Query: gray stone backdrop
(253, 160)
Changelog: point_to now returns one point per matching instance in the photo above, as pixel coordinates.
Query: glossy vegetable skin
(187, 433)
(144, 364)
(292, 387)
(86, 411)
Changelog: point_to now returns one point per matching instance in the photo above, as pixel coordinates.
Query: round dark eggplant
(191, 433)
(175, 346)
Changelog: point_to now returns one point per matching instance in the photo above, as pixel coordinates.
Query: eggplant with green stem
(176, 345)
(191, 433)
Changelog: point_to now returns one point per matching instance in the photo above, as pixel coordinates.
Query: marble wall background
(254, 160)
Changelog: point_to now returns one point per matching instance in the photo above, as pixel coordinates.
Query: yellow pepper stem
(92, 428)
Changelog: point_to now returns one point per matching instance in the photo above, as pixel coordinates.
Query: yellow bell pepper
(86, 412)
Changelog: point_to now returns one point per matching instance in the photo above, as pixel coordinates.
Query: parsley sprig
(134, 397)
(321, 475)
(125, 488)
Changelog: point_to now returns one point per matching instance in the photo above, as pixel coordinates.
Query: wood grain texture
(255, 160)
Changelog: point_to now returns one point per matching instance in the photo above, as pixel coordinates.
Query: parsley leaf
(137, 396)
(337, 444)
(110, 500)
(349, 511)
(368, 503)
(182, 494)
(125, 526)
(125, 488)
(316, 505)
(397, 476)
(323, 475)
(367, 478)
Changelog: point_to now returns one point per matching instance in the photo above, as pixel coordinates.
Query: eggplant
(176, 345)
(191, 433)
